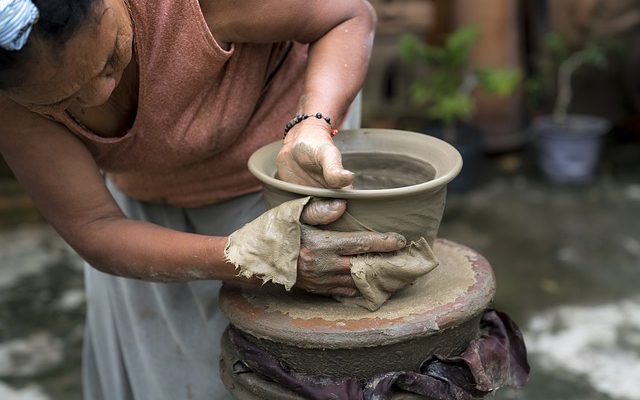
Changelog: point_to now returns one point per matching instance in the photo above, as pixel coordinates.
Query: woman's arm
(340, 34)
(64, 182)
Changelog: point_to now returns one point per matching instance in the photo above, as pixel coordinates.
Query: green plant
(446, 78)
(558, 67)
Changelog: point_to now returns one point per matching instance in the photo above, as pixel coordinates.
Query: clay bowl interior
(399, 184)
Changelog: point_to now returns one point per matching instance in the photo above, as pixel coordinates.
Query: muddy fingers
(323, 211)
(324, 265)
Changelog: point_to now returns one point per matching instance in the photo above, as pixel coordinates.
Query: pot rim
(361, 193)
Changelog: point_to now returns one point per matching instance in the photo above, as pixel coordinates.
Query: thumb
(332, 170)
(323, 211)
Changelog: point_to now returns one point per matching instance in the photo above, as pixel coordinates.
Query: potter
(130, 124)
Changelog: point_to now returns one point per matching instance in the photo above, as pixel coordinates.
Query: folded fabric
(268, 247)
(380, 276)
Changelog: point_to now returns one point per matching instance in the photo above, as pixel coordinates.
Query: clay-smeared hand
(324, 263)
(309, 157)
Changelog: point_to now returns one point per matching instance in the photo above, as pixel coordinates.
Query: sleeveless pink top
(202, 110)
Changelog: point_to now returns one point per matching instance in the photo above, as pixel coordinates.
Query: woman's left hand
(309, 157)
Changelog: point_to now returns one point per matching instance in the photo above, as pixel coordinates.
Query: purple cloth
(495, 359)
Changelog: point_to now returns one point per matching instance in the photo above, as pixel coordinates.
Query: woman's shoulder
(15, 116)
(20, 124)
(270, 21)
(6, 105)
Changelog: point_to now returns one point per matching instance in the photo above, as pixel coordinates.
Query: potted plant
(568, 145)
(443, 91)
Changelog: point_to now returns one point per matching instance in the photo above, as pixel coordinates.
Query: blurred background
(542, 98)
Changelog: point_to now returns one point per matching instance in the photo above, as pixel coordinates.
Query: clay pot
(399, 185)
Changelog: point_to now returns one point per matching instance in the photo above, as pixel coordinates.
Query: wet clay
(413, 216)
(386, 170)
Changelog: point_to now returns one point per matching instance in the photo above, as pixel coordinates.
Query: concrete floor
(567, 261)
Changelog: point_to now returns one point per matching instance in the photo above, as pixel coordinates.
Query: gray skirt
(159, 341)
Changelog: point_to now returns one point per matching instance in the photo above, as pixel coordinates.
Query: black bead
(319, 115)
(328, 120)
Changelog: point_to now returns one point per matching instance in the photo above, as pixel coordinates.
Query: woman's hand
(309, 157)
(324, 264)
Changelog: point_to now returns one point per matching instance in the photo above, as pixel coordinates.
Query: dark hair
(59, 19)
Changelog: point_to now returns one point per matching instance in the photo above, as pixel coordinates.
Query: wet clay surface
(386, 170)
(443, 285)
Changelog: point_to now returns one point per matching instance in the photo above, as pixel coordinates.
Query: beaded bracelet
(301, 117)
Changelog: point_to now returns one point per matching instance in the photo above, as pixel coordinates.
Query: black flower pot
(468, 141)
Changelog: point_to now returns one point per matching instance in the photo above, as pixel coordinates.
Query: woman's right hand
(324, 263)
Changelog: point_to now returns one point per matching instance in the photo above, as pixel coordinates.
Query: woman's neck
(117, 115)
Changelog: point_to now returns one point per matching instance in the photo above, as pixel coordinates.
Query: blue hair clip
(17, 17)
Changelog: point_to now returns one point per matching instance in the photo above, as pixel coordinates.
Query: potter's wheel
(439, 314)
